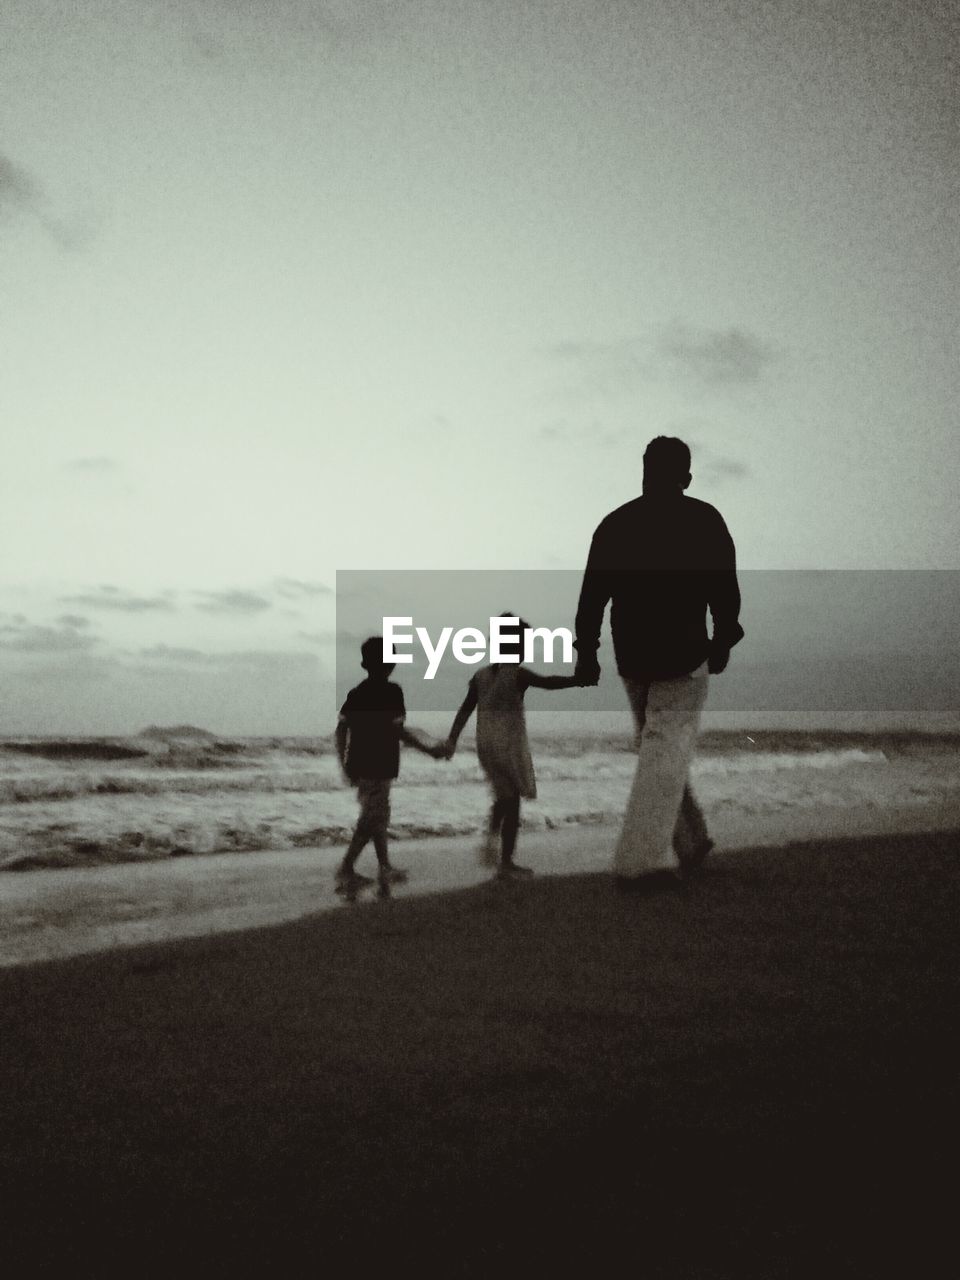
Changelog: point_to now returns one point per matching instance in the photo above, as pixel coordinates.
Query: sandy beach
(755, 1078)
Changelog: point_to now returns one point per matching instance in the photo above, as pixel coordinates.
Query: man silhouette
(663, 560)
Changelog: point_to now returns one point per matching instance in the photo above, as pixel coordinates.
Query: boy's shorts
(373, 795)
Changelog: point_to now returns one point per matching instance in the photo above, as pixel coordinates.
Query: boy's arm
(409, 736)
(341, 738)
(463, 715)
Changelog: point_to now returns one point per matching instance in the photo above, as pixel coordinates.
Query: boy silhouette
(369, 731)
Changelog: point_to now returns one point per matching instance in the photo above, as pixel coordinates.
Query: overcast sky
(288, 287)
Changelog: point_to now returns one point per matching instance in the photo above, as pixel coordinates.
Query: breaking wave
(182, 791)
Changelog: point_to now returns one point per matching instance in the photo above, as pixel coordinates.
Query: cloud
(73, 620)
(272, 659)
(715, 356)
(223, 33)
(709, 463)
(112, 598)
(584, 434)
(66, 671)
(22, 195)
(37, 639)
(297, 589)
(232, 659)
(694, 356)
(19, 191)
(606, 368)
(319, 637)
(96, 463)
(717, 468)
(238, 602)
(174, 653)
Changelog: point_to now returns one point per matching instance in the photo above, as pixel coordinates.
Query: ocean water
(179, 792)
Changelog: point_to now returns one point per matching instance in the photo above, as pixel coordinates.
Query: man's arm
(723, 600)
(595, 592)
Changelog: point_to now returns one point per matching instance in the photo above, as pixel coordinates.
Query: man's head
(371, 658)
(666, 465)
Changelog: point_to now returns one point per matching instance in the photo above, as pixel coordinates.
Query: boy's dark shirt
(663, 562)
(373, 713)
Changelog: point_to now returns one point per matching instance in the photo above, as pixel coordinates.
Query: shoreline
(55, 914)
(752, 1081)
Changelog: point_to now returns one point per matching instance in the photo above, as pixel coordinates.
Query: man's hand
(718, 658)
(587, 671)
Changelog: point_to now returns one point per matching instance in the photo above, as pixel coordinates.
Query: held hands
(443, 750)
(717, 659)
(587, 671)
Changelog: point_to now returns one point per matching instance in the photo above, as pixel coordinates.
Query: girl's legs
(504, 821)
(509, 826)
(495, 821)
(489, 851)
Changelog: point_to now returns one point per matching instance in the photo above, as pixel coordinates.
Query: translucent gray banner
(862, 642)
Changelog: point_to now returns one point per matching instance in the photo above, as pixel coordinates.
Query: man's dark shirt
(663, 562)
(373, 713)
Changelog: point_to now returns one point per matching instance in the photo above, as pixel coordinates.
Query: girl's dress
(502, 747)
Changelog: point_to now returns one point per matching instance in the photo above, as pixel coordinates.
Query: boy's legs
(378, 801)
(373, 795)
(356, 846)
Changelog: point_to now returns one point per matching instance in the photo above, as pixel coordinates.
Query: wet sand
(45, 914)
(757, 1078)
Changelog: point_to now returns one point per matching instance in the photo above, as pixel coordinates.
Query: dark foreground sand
(758, 1079)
